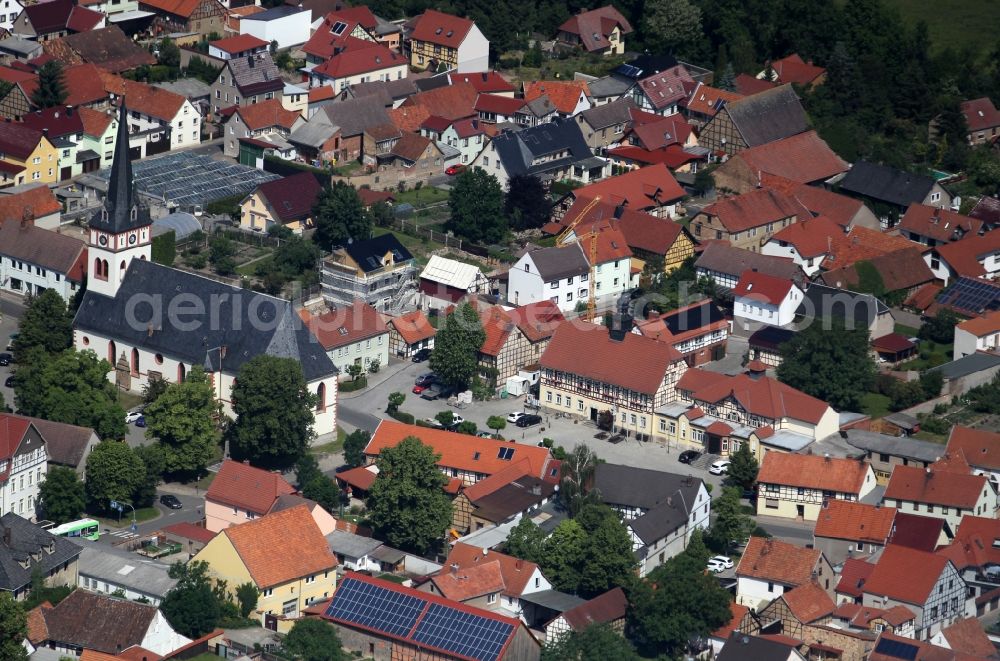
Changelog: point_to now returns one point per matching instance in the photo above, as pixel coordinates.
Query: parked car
(430, 392)
(132, 416)
(688, 456)
(9, 381)
(454, 169)
(10, 342)
(528, 420)
(724, 560)
(714, 567)
(485, 434)
(456, 420)
(515, 416)
(425, 379)
(6, 358)
(421, 356)
(141, 422)
(171, 501)
(719, 467)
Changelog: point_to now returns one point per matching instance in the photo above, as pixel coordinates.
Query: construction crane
(592, 235)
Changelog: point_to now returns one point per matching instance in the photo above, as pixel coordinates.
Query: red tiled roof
(963, 256)
(183, 8)
(738, 613)
(95, 123)
(665, 132)
(370, 197)
(980, 114)
(267, 113)
(595, 26)
(451, 102)
(763, 396)
(838, 208)
(892, 343)
(321, 93)
(188, 530)
(413, 327)
(804, 158)
(973, 544)
(905, 574)
(18, 140)
(291, 197)
(7, 74)
(498, 327)
(900, 270)
(814, 472)
(42, 202)
(863, 243)
(498, 480)
(844, 519)
(923, 297)
(462, 584)
(968, 637)
(914, 484)
(359, 57)
(238, 43)
(793, 69)
(645, 188)
(408, 119)
(942, 225)
(853, 576)
(359, 14)
(637, 363)
(756, 208)
(516, 572)
(811, 237)
(537, 321)
(747, 85)
(153, 101)
(485, 82)
(565, 95)
(673, 156)
(666, 88)
(862, 616)
(440, 28)
(773, 560)
(987, 324)
(707, 100)
(809, 602)
(242, 485)
(500, 105)
(345, 325)
(361, 477)
(602, 609)
(980, 446)
(762, 287)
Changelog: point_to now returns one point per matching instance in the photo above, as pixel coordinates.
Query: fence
(412, 228)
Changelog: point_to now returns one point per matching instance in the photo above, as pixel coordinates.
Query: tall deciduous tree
(526, 202)
(182, 422)
(743, 467)
(62, 495)
(51, 90)
(674, 26)
(598, 642)
(477, 208)
(607, 551)
(354, 447)
(46, 325)
(314, 640)
(407, 504)
(14, 625)
(577, 478)
(526, 541)
(191, 606)
(274, 412)
(731, 525)
(114, 472)
(456, 347)
(830, 364)
(246, 596)
(339, 215)
(154, 462)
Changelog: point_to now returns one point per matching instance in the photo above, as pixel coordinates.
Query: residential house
(105, 569)
(496, 109)
(748, 221)
(559, 274)
(983, 120)
(444, 282)
(30, 203)
(759, 298)
(660, 510)
(433, 622)
(801, 486)
(654, 140)
(697, 331)
(662, 92)
(287, 202)
(64, 129)
(804, 158)
(65, 445)
(554, 151)
(410, 159)
(23, 465)
(452, 102)
(626, 375)
(902, 271)
(439, 41)
(26, 156)
(108, 48)
(724, 265)
(515, 339)
(317, 141)
(604, 126)
(321, 517)
(351, 335)
(570, 97)
(284, 555)
(740, 646)
(941, 490)
(981, 448)
(358, 62)
(853, 616)
(379, 271)
(808, 243)
(841, 209)
(836, 307)
(485, 82)
(931, 226)
(354, 552)
(409, 333)
(793, 69)
(976, 555)
(159, 120)
(469, 136)
(284, 25)
(885, 452)
(612, 268)
(33, 259)
(793, 611)
(851, 529)
(266, 123)
(85, 622)
(889, 192)
(966, 636)
(704, 102)
(100, 130)
(27, 549)
(651, 189)
(331, 34)
(54, 19)
(20, 48)
(600, 30)
(203, 17)
(465, 459)
(769, 568)
(608, 609)
(242, 45)
(246, 80)
(241, 493)
(974, 256)
(926, 583)
(755, 120)
(503, 496)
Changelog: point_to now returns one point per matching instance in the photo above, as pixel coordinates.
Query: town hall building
(155, 322)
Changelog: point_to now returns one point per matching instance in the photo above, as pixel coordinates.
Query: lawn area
(421, 197)
(933, 438)
(931, 355)
(141, 514)
(332, 446)
(967, 21)
(908, 331)
(250, 268)
(129, 400)
(411, 243)
(875, 405)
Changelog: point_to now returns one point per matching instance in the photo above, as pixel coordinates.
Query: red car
(454, 169)
(420, 387)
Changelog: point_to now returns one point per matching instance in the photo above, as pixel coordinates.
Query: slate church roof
(121, 210)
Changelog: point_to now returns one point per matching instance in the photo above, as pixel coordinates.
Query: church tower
(121, 230)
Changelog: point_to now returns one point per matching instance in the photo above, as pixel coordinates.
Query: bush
(935, 425)
(351, 386)
(196, 260)
(164, 248)
(402, 416)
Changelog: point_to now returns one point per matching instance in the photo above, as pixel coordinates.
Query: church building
(155, 322)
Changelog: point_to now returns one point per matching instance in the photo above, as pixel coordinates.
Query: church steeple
(122, 210)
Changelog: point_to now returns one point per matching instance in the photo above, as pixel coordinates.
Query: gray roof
(255, 323)
(899, 446)
(609, 114)
(64, 444)
(314, 132)
(388, 554)
(769, 115)
(189, 88)
(353, 116)
(348, 544)
(392, 89)
(273, 13)
(103, 561)
(744, 647)
(974, 362)
(540, 106)
(788, 440)
(723, 258)
(20, 46)
(857, 310)
(609, 86)
(256, 73)
(553, 600)
(666, 497)
(886, 184)
(183, 224)
(122, 209)
(517, 150)
(560, 262)
(26, 539)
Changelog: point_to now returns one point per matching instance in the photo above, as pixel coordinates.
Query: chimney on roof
(826, 456)
(454, 568)
(486, 551)
(250, 60)
(246, 462)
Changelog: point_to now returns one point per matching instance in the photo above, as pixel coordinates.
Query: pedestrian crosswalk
(124, 534)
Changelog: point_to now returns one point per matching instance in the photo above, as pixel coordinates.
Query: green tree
(71, 387)
(941, 327)
(456, 347)
(51, 90)
(14, 624)
(396, 400)
(339, 215)
(407, 505)
(274, 412)
(526, 541)
(183, 424)
(931, 383)
(62, 495)
(154, 462)
(354, 447)
(153, 389)
(678, 601)
(728, 80)
(306, 470)
(295, 256)
(476, 203)
(246, 597)
(192, 607)
(46, 325)
(314, 640)
(526, 202)
(832, 364)
(577, 478)
(904, 394)
(598, 642)
(114, 472)
(445, 418)
(608, 561)
(743, 467)
(497, 423)
(731, 525)
(674, 26)
(563, 555)
(354, 370)
(467, 427)
(704, 181)
(170, 54)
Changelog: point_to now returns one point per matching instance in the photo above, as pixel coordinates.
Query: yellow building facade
(40, 166)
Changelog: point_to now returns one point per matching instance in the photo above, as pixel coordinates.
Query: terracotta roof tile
(905, 574)
(666, 132)
(843, 519)
(748, 85)
(942, 225)
(267, 113)
(738, 613)
(538, 321)
(99, 622)
(646, 188)
(291, 197)
(361, 477)
(108, 48)
(515, 572)
(980, 114)
(756, 208)
(813, 472)
(602, 609)
(281, 547)
(811, 237)
(762, 287)
(451, 102)
(18, 140)
(707, 100)
(38, 631)
(357, 58)
(924, 296)
(238, 43)
(183, 8)
(666, 88)
(345, 325)
(914, 484)
(413, 327)
(485, 82)
(968, 637)
(863, 243)
(853, 577)
(59, 252)
(900, 270)
(95, 123)
(803, 158)
(781, 562)
(189, 530)
(153, 101)
(809, 602)
(501, 105)
(980, 446)
(963, 256)
(440, 28)
(987, 324)
(764, 396)
(841, 209)
(793, 69)
(595, 26)
(973, 544)
(565, 95)
(39, 199)
(462, 584)
(498, 326)
(242, 485)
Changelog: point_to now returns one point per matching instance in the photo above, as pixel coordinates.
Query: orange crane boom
(592, 235)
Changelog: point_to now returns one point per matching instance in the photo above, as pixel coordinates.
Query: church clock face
(131, 239)
(103, 240)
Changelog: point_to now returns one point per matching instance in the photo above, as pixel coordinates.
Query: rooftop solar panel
(897, 649)
(375, 607)
(462, 633)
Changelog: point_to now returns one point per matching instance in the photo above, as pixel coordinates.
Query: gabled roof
(537, 321)
(108, 48)
(665, 500)
(451, 101)
(291, 197)
(413, 327)
(976, 543)
(756, 208)
(595, 26)
(811, 237)
(182, 8)
(942, 225)
(987, 209)
(981, 447)
(763, 396)
(685, 322)
(706, 100)
(353, 116)
(854, 309)
(841, 209)
(497, 326)
(813, 472)
(964, 256)
(485, 82)
(863, 243)
(281, 547)
(809, 602)
(853, 576)
(18, 139)
(255, 74)
(769, 115)
(565, 95)
(968, 637)
(905, 574)
(57, 15)
(359, 57)
(267, 114)
(762, 287)
(666, 88)
(602, 609)
(411, 146)
(58, 252)
(649, 187)
(25, 537)
(39, 200)
(241, 485)
(239, 43)
(370, 253)
(980, 114)
(345, 325)
(900, 270)
(518, 150)
(500, 105)
(946, 488)
(99, 622)
(95, 123)
(803, 158)
(793, 69)
(608, 114)
(773, 560)
(440, 28)
(844, 519)
(744, 647)
(515, 572)
(886, 184)
(463, 584)
(642, 231)
(451, 273)
(721, 257)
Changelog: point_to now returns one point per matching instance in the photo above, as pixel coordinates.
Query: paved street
(191, 512)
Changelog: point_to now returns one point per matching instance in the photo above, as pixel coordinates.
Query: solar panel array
(970, 294)
(375, 607)
(897, 649)
(462, 633)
